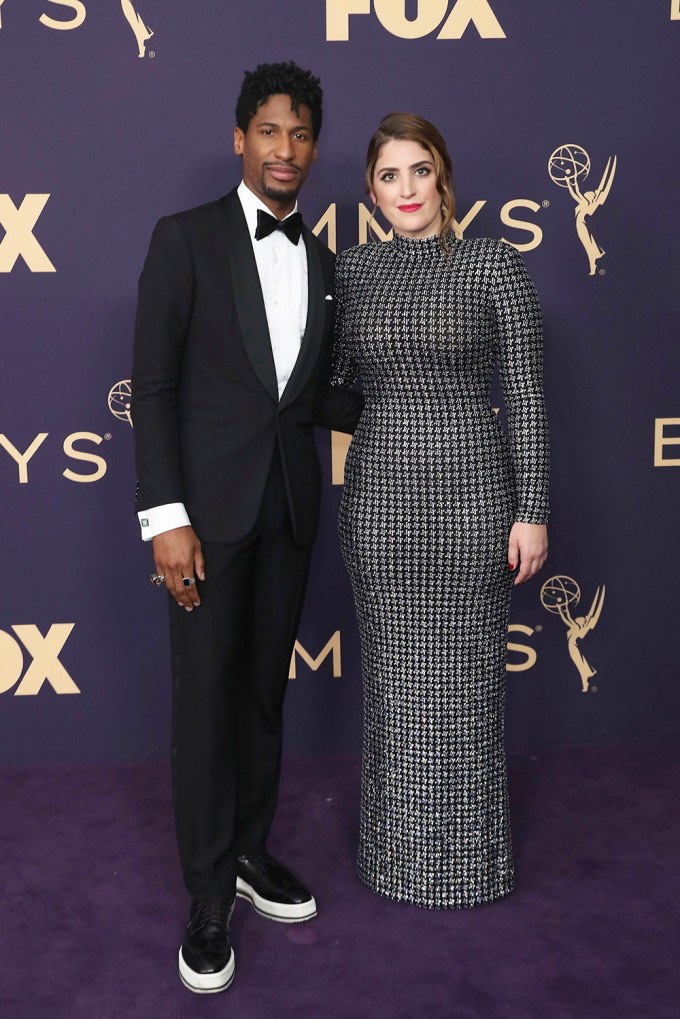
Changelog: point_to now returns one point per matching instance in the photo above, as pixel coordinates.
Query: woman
(441, 514)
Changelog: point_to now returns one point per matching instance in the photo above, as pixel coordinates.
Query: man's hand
(528, 546)
(178, 554)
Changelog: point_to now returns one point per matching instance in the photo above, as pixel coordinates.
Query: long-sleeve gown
(432, 487)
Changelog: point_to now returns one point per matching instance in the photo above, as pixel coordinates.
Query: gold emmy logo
(120, 401)
(557, 595)
(45, 666)
(332, 648)
(566, 166)
(529, 658)
(141, 31)
(430, 14)
(675, 10)
(79, 15)
(663, 439)
(367, 225)
(70, 449)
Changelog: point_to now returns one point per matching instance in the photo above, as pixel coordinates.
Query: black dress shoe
(206, 959)
(273, 890)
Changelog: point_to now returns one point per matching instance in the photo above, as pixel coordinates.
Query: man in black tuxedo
(232, 348)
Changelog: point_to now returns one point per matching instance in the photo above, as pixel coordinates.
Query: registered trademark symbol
(545, 203)
(538, 628)
(107, 436)
(602, 272)
(152, 54)
(593, 689)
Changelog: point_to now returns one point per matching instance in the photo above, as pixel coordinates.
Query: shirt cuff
(162, 518)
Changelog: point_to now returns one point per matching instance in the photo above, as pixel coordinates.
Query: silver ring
(157, 579)
(188, 581)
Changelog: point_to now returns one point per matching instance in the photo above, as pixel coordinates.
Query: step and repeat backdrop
(561, 119)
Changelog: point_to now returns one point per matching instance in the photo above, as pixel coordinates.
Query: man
(232, 347)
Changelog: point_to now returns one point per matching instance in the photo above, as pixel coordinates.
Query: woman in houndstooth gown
(441, 514)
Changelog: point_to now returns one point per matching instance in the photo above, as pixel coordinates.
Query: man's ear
(316, 153)
(238, 141)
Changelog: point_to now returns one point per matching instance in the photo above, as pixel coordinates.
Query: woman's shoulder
(490, 255)
(490, 247)
(354, 266)
(359, 254)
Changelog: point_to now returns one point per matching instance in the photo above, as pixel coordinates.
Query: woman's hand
(528, 546)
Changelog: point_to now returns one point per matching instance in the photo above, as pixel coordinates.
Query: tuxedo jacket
(205, 404)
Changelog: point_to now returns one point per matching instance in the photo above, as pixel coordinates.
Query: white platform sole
(297, 913)
(207, 983)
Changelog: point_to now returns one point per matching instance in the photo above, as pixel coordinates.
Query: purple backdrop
(116, 140)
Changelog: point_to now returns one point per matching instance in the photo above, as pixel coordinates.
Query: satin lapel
(311, 340)
(248, 298)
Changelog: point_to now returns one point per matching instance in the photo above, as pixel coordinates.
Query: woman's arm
(520, 361)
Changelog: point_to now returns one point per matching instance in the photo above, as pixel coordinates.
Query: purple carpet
(93, 906)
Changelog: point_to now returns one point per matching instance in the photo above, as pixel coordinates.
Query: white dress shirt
(282, 268)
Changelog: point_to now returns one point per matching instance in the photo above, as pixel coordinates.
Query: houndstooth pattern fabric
(432, 486)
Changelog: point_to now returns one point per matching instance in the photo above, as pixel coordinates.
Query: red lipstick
(409, 208)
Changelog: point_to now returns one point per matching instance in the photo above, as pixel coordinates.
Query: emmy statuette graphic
(142, 32)
(566, 166)
(120, 401)
(557, 595)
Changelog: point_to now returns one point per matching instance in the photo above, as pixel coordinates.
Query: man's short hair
(279, 79)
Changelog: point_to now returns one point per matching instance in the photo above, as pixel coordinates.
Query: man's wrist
(159, 519)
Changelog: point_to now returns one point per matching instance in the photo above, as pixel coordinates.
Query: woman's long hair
(411, 128)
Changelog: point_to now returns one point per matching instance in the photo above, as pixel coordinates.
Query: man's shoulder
(325, 253)
(201, 215)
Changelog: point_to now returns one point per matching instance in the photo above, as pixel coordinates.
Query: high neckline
(421, 246)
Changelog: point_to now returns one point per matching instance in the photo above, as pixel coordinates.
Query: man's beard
(281, 193)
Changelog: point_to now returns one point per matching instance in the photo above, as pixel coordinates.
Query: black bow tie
(266, 225)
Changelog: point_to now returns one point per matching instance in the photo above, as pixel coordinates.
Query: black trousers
(230, 661)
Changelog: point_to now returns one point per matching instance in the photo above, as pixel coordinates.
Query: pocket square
(329, 297)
